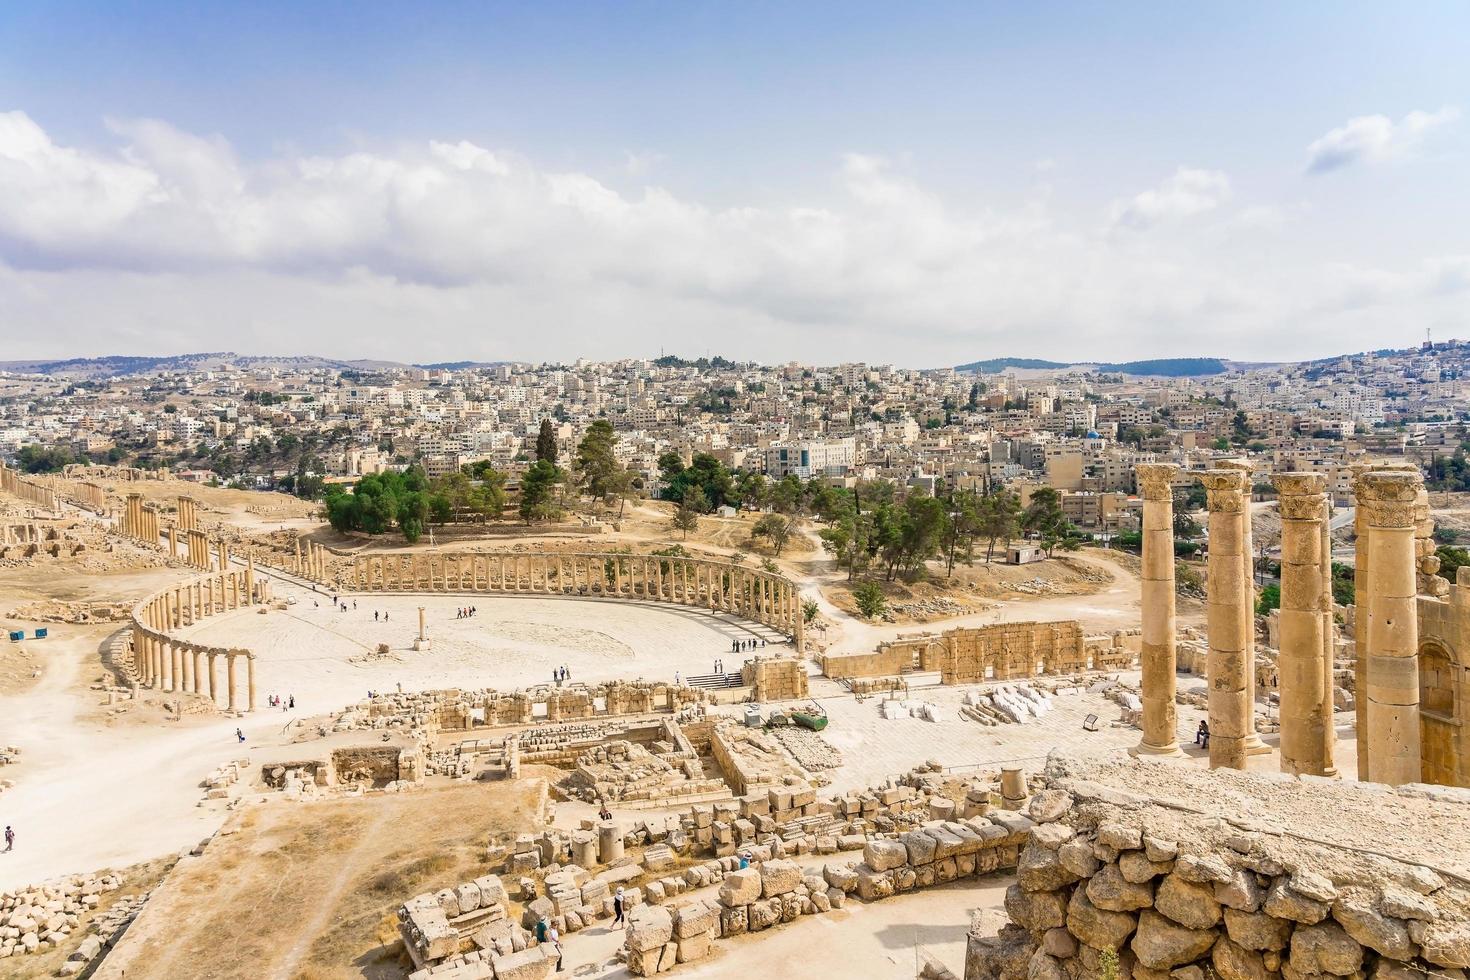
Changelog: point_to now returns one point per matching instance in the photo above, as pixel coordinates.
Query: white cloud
(171, 241)
(1371, 139)
(1189, 192)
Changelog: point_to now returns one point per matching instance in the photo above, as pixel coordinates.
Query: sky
(918, 184)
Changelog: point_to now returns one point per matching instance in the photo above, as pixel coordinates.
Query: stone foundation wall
(459, 710)
(1170, 891)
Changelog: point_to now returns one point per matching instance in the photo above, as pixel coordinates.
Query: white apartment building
(826, 457)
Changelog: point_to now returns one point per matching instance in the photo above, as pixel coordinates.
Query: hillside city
(316, 428)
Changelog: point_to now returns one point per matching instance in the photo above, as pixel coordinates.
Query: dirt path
(1115, 606)
(308, 932)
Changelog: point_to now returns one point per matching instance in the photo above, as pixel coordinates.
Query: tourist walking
(293, 701)
(239, 735)
(10, 846)
(555, 938)
(618, 906)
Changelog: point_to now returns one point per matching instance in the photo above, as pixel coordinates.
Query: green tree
(538, 492)
(597, 464)
(1269, 599)
(787, 495)
(871, 601)
(1451, 560)
(957, 539)
(686, 518)
(705, 472)
(752, 490)
(809, 610)
(381, 502)
(774, 528)
(1044, 518)
(999, 518)
(546, 442)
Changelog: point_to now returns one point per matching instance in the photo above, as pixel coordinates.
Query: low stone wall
(1164, 890)
(454, 709)
(889, 660)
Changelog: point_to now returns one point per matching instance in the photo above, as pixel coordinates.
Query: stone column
(198, 684)
(1253, 743)
(250, 681)
(1301, 502)
(609, 842)
(186, 663)
(422, 643)
(1160, 712)
(1329, 646)
(213, 679)
(230, 679)
(1393, 628)
(1229, 625)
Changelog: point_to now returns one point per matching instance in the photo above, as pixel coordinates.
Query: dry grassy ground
(309, 890)
(976, 587)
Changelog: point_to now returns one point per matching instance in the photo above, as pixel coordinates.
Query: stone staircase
(714, 682)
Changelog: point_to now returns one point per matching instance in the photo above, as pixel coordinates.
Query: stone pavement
(321, 656)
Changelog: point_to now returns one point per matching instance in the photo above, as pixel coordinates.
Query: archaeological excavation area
(322, 757)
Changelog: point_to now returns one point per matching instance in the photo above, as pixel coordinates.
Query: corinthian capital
(1156, 480)
(1223, 491)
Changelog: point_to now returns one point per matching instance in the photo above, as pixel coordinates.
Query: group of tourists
(546, 932)
(559, 674)
(465, 612)
(740, 646)
(286, 704)
(375, 616)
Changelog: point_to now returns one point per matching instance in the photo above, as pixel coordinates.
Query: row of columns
(28, 490)
(765, 598)
(311, 560)
(141, 520)
(168, 664)
(1387, 628)
(187, 513)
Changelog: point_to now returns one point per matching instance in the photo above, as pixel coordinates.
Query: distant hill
(1169, 367)
(92, 368)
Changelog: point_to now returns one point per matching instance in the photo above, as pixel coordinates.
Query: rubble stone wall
(1175, 892)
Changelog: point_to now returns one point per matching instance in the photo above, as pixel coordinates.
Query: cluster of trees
(37, 458)
(594, 472)
(1449, 472)
(873, 527)
(381, 502)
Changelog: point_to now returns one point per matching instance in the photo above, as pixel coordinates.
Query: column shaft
(1393, 628)
(1299, 668)
(1229, 626)
(1158, 657)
